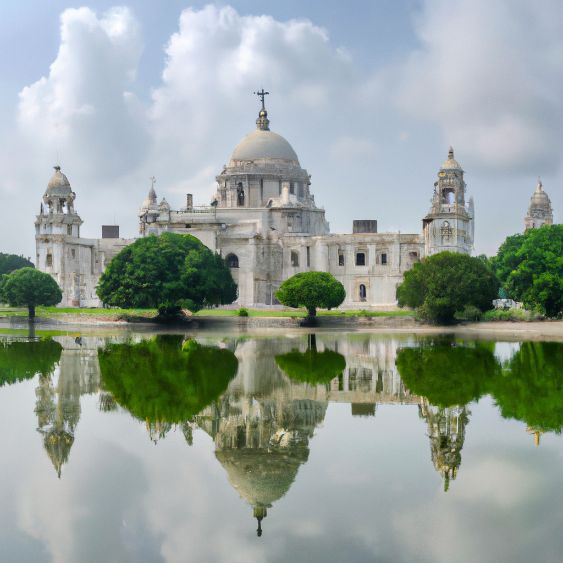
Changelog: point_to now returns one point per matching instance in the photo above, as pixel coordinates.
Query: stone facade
(265, 222)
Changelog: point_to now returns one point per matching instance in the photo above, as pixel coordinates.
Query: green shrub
(242, 312)
(511, 315)
(469, 313)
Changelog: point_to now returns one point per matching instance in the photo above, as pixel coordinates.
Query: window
(363, 292)
(291, 188)
(261, 191)
(360, 258)
(188, 226)
(384, 258)
(308, 257)
(69, 230)
(73, 253)
(232, 260)
(294, 259)
(340, 258)
(240, 195)
(49, 260)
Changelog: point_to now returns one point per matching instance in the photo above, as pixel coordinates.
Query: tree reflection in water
(447, 376)
(531, 387)
(311, 366)
(165, 380)
(22, 360)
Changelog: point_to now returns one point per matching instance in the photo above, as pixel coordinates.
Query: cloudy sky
(369, 93)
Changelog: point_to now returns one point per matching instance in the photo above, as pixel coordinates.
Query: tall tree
(311, 290)
(168, 272)
(530, 268)
(28, 287)
(11, 262)
(445, 283)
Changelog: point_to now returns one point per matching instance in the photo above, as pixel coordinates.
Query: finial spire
(262, 94)
(451, 152)
(262, 123)
(539, 185)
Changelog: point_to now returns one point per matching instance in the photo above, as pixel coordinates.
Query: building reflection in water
(446, 430)
(58, 404)
(263, 424)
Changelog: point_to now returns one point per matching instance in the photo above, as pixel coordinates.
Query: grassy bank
(115, 314)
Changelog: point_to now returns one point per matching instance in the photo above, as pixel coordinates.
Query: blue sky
(370, 95)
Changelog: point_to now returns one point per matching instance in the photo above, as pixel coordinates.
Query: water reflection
(58, 407)
(22, 359)
(165, 379)
(531, 387)
(261, 400)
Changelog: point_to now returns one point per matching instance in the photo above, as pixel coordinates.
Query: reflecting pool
(252, 448)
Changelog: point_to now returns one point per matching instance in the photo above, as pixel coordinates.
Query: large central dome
(264, 144)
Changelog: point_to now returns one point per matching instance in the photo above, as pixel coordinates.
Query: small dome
(451, 163)
(540, 198)
(58, 184)
(264, 144)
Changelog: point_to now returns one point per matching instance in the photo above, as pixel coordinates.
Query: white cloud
(215, 61)
(489, 73)
(83, 109)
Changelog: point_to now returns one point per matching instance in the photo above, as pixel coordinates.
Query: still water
(327, 447)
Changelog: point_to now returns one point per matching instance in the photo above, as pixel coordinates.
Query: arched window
(232, 260)
(294, 259)
(240, 195)
(360, 258)
(363, 292)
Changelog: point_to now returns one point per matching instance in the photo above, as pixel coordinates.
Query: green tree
(530, 268)
(448, 375)
(531, 386)
(312, 366)
(23, 360)
(311, 290)
(168, 272)
(28, 287)
(11, 262)
(163, 380)
(445, 283)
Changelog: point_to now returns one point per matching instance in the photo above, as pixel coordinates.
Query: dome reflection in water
(262, 400)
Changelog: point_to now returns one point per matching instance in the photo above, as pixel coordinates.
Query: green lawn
(114, 313)
(302, 313)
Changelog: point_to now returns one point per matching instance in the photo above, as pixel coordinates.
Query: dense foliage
(446, 283)
(11, 262)
(163, 380)
(23, 360)
(311, 290)
(311, 366)
(167, 272)
(448, 374)
(28, 287)
(530, 268)
(531, 386)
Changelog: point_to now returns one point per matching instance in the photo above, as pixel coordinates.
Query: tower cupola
(449, 223)
(540, 211)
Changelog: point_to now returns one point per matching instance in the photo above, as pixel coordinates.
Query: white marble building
(265, 222)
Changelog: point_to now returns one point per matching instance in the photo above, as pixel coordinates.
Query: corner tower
(56, 225)
(449, 223)
(539, 211)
